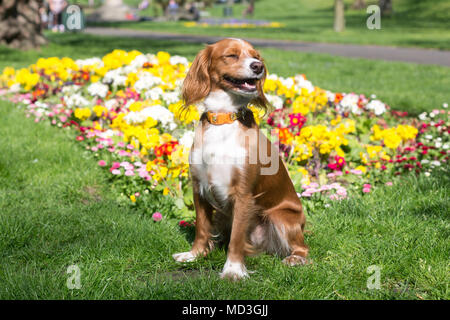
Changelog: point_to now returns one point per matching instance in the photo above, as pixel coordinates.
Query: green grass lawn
(56, 207)
(56, 211)
(415, 23)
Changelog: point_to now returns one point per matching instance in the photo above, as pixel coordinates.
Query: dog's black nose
(257, 67)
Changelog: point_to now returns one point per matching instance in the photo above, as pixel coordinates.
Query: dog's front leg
(234, 268)
(202, 243)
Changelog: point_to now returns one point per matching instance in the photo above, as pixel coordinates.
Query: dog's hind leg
(288, 226)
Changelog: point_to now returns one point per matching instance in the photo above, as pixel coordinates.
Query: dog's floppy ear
(197, 84)
(261, 100)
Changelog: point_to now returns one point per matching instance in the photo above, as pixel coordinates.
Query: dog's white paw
(184, 257)
(234, 271)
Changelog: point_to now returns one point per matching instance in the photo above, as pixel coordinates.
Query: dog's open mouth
(248, 84)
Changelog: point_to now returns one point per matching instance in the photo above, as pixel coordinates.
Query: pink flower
(367, 186)
(341, 192)
(115, 172)
(157, 216)
(102, 163)
(123, 153)
(115, 165)
(366, 190)
(389, 183)
(306, 194)
(129, 173)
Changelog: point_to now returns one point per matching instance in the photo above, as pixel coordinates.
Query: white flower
(89, 62)
(350, 103)
(110, 104)
(425, 161)
(423, 116)
(115, 77)
(146, 81)
(428, 137)
(377, 107)
(445, 146)
(98, 89)
(154, 93)
(174, 60)
(445, 105)
(158, 113)
(15, 88)
(287, 82)
(330, 95)
(70, 89)
(274, 100)
(301, 82)
(435, 163)
(76, 100)
(427, 174)
(170, 97)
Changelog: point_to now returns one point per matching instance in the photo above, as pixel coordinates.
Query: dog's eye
(233, 56)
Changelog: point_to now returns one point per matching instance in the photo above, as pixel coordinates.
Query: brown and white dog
(242, 190)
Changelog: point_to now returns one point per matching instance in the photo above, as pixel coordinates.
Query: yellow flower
(163, 57)
(166, 191)
(361, 168)
(100, 110)
(133, 198)
(82, 113)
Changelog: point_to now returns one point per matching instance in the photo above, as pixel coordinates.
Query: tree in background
(20, 24)
(339, 17)
(359, 4)
(385, 7)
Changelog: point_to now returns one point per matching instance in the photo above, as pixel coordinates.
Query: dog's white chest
(214, 162)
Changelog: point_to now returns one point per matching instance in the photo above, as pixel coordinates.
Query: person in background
(55, 17)
(172, 9)
(143, 5)
(194, 12)
(43, 11)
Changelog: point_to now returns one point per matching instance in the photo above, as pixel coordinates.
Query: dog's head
(232, 65)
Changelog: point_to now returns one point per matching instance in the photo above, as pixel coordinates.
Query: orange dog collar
(219, 118)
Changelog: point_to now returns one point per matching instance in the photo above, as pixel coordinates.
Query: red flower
(296, 120)
(338, 165)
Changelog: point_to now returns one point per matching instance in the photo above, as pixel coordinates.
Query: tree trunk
(359, 5)
(385, 7)
(339, 18)
(20, 24)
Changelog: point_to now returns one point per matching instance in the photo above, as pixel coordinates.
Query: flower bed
(233, 23)
(125, 110)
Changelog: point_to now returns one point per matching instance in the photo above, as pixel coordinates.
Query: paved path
(415, 55)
